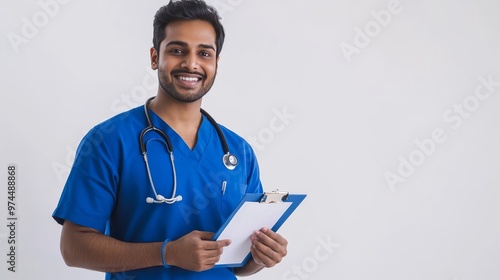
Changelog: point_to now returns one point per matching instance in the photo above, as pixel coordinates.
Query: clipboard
(255, 211)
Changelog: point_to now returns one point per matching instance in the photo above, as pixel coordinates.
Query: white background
(351, 119)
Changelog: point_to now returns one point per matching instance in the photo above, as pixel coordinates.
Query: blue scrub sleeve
(90, 191)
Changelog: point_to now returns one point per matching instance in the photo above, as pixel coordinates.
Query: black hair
(182, 10)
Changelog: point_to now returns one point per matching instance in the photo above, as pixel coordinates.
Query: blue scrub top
(108, 185)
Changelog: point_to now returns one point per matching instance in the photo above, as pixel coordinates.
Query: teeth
(189, 79)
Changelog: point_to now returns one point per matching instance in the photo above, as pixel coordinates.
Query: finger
(256, 255)
(275, 236)
(208, 258)
(261, 258)
(263, 251)
(257, 260)
(269, 252)
(212, 256)
(211, 261)
(215, 245)
(266, 238)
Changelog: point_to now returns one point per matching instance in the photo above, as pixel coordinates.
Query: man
(107, 224)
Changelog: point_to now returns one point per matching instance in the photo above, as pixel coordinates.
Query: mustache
(180, 72)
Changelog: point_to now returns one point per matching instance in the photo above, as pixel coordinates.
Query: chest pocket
(232, 185)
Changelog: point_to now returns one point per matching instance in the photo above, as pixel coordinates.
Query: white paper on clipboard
(250, 217)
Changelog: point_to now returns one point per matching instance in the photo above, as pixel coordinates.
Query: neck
(174, 112)
(183, 118)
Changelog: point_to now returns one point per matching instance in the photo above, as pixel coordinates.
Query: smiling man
(115, 219)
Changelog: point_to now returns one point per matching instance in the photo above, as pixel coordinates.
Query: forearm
(251, 267)
(86, 248)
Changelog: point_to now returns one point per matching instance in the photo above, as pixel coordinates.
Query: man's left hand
(268, 248)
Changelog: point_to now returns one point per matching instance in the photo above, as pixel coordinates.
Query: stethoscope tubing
(229, 160)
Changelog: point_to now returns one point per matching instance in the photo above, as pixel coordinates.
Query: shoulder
(121, 126)
(130, 118)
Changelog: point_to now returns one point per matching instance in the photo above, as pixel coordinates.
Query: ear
(217, 64)
(153, 54)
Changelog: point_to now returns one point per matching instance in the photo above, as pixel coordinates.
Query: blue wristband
(163, 249)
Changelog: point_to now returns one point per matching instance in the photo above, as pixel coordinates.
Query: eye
(206, 54)
(176, 51)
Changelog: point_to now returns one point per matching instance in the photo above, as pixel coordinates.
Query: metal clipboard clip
(274, 197)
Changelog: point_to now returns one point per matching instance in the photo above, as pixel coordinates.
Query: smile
(188, 79)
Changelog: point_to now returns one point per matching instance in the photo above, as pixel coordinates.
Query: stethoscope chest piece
(230, 161)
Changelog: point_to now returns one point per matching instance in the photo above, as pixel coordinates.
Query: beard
(169, 87)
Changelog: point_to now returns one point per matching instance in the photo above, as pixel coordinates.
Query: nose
(190, 62)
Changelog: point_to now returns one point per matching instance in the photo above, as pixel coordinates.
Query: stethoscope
(228, 159)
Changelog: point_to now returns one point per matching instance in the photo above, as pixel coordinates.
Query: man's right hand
(195, 251)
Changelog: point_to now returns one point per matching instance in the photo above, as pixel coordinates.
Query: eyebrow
(184, 44)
